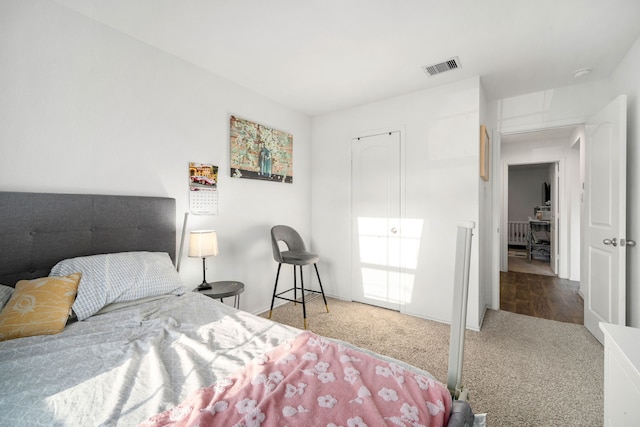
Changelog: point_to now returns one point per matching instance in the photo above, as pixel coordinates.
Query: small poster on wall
(203, 189)
(260, 152)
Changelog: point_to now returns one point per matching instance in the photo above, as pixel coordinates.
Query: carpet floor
(520, 370)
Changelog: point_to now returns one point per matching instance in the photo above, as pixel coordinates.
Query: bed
(167, 356)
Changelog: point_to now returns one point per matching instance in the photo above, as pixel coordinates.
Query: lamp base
(203, 286)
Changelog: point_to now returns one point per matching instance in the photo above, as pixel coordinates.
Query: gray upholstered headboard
(39, 229)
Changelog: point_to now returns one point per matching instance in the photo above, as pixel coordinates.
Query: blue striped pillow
(119, 277)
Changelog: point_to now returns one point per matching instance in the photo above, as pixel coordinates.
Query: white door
(603, 268)
(375, 228)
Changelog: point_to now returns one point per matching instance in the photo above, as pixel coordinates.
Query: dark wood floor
(536, 295)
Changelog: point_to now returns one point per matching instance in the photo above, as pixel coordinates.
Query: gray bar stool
(296, 255)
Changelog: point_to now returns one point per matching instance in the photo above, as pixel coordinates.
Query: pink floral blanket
(311, 381)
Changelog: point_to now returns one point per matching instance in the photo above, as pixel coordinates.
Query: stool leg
(326, 306)
(275, 288)
(295, 286)
(304, 307)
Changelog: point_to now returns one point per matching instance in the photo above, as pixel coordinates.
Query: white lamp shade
(203, 243)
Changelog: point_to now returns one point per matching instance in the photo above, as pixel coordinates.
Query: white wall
(87, 109)
(625, 80)
(525, 190)
(441, 130)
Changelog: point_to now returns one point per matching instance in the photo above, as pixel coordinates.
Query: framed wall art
(260, 152)
(485, 153)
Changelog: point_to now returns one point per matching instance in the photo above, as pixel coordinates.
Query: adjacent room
(170, 138)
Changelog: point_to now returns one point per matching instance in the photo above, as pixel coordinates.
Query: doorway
(531, 214)
(541, 173)
(601, 190)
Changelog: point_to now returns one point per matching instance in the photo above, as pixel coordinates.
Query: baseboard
(446, 322)
(484, 312)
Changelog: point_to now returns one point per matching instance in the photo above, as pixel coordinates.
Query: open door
(603, 267)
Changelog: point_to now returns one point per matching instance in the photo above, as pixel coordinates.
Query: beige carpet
(520, 370)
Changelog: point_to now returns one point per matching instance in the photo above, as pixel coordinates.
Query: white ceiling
(324, 55)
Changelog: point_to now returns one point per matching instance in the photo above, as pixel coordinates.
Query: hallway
(543, 296)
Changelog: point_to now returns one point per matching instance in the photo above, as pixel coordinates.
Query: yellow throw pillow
(38, 307)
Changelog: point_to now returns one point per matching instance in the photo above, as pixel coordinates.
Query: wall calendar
(203, 189)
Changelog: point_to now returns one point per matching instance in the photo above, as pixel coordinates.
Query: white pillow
(125, 276)
(5, 294)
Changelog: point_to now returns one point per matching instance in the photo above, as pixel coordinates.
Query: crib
(518, 233)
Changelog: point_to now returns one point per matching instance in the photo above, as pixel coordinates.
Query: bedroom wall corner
(87, 109)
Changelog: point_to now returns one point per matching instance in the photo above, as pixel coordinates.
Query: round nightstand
(224, 289)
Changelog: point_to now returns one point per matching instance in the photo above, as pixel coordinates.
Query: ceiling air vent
(448, 65)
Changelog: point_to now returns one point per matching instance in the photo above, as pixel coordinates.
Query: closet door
(376, 231)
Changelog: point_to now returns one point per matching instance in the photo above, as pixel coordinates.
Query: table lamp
(203, 244)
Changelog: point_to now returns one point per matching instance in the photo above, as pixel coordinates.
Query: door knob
(394, 230)
(613, 242)
(630, 243)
